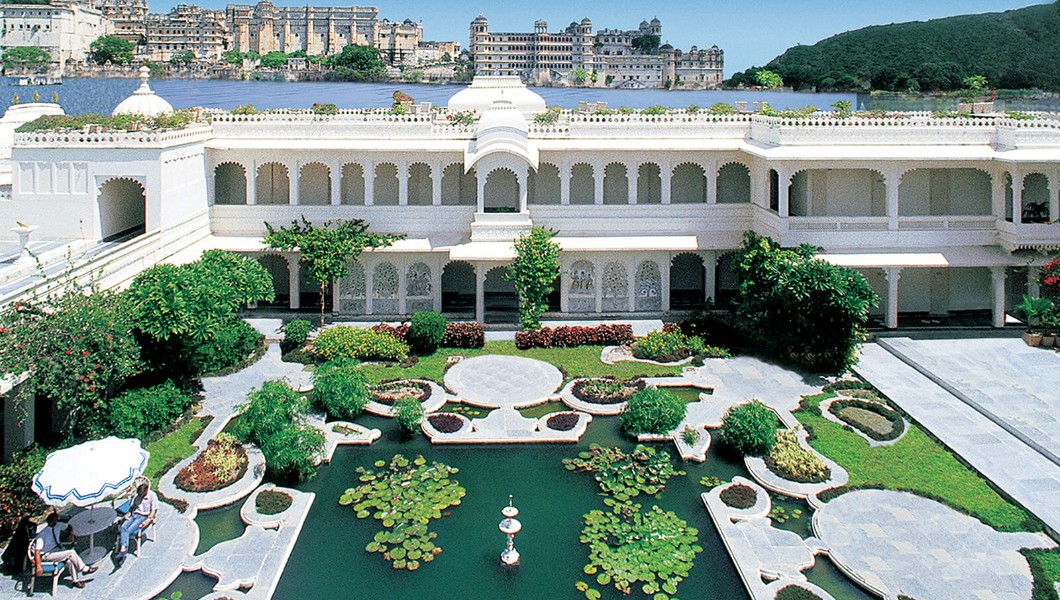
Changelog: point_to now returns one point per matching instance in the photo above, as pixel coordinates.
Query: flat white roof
(501, 251)
(895, 259)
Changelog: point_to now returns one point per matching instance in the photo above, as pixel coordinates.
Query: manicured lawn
(1045, 565)
(917, 464)
(173, 448)
(580, 361)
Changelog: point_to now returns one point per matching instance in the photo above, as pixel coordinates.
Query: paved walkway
(495, 381)
(1025, 474)
(900, 543)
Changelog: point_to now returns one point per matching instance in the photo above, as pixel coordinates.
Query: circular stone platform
(899, 543)
(503, 381)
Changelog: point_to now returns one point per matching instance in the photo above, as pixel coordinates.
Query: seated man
(142, 510)
(46, 548)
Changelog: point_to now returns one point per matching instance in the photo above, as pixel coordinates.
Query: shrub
(652, 410)
(400, 332)
(690, 435)
(245, 109)
(739, 496)
(426, 331)
(340, 389)
(795, 463)
(794, 592)
(407, 414)
(324, 109)
(666, 346)
(295, 334)
(750, 428)
(274, 419)
(136, 413)
(464, 335)
(567, 336)
(231, 344)
(272, 502)
(721, 108)
(17, 498)
(362, 344)
(222, 463)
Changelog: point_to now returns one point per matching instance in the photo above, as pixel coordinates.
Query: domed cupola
(502, 129)
(485, 90)
(143, 101)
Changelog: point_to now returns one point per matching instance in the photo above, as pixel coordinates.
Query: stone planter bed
(202, 474)
(429, 394)
(446, 423)
(773, 482)
(563, 421)
(252, 515)
(759, 509)
(874, 436)
(612, 354)
(575, 396)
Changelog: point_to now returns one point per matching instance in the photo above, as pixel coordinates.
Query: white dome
(503, 114)
(485, 90)
(143, 101)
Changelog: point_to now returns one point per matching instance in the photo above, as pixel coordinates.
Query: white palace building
(942, 215)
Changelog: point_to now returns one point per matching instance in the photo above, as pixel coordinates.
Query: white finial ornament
(509, 527)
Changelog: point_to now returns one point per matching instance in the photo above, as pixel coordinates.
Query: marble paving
(495, 381)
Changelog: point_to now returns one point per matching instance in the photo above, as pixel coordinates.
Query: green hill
(1014, 50)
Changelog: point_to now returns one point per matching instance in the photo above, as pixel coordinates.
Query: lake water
(101, 95)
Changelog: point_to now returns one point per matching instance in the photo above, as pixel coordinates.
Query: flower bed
(389, 393)
(606, 390)
(567, 336)
(457, 335)
(791, 461)
(739, 496)
(877, 421)
(564, 421)
(363, 344)
(445, 423)
(272, 502)
(222, 463)
(670, 345)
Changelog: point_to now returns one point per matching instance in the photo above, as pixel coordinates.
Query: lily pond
(330, 559)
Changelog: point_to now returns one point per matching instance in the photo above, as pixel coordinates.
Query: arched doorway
(458, 289)
(352, 184)
(314, 185)
(122, 209)
(229, 184)
(501, 299)
(459, 188)
(734, 184)
(501, 193)
(420, 185)
(273, 185)
(582, 185)
(276, 265)
(543, 187)
(649, 184)
(385, 188)
(687, 282)
(688, 184)
(616, 184)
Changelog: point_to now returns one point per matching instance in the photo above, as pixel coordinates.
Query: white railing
(191, 133)
(944, 223)
(837, 223)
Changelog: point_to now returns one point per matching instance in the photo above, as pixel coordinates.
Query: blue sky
(750, 31)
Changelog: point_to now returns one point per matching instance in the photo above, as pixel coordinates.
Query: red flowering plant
(1050, 277)
(566, 336)
(77, 348)
(222, 463)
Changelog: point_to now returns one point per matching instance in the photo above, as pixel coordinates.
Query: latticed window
(352, 291)
(616, 288)
(648, 287)
(418, 288)
(385, 289)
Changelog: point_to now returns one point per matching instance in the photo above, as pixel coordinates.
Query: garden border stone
(434, 401)
(826, 413)
(761, 473)
(249, 511)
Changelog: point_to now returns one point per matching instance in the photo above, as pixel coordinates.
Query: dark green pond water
(329, 560)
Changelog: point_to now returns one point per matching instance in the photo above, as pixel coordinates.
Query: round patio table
(90, 522)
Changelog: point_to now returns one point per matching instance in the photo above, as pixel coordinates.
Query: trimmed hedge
(750, 428)
(883, 410)
(362, 344)
(137, 413)
(295, 334)
(426, 332)
(794, 592)
(457, 335)
(567, 336)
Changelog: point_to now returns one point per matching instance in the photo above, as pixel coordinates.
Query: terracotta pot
(1032, 338)
(1048, 341)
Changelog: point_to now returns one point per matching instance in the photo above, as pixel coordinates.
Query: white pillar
(436, 288)
(480, 294)
(564, 289)
(369, 183)
(1017, 198)
(1034, 287)
(403, 183)
(631, 183)
(890, 318)
(783, 183)
(436, 184)
(598, 184)
(294, 285)
(480, 182)
(252, 184)
(293, 175)
(997, 277)
(666, 174)
(335, 306)
(369, 288)
(710, 264)
(599, 289)
(997, 195)
(712, 183)
(564, 184)
(522, 178)
(892, 179)
(402, 292)
(1054, 197)
(336, 184)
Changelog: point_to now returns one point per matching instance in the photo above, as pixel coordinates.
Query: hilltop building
(609, 57)
(186, 28)
(129, 18)
(63, 28)
(265, 27)
(942, 216)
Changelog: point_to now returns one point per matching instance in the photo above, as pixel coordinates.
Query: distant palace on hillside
(609, 58)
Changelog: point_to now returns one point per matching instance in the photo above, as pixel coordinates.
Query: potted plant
(1051, 323)
(1032, 310)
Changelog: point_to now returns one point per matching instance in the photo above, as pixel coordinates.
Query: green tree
(975, 83)
(78, 349)
(769, 79)
(25, 58)
(112, 49)
(274, 419)
(274, 59)
(233, 57)
(646, 44)
(801, 309)
(579, 76)
(533, 273)
(184, 57)
(365, 59)
(328, 249)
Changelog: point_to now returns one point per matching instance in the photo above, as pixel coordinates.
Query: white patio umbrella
(88, 473)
